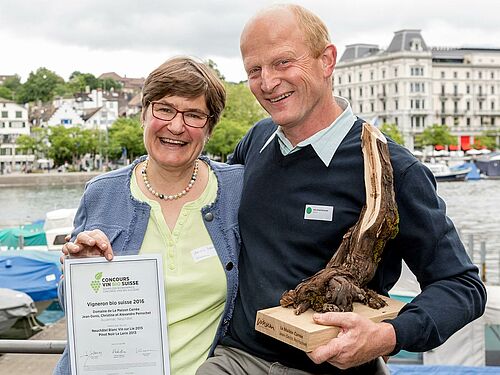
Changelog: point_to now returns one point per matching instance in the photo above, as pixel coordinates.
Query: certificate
(116, 315)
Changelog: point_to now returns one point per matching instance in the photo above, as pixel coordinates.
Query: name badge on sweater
(315, 212)
(203, 253)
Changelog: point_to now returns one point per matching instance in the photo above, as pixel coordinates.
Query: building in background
(414, 86)
(13, 123)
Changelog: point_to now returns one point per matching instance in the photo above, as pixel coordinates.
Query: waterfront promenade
(46, 179)
(35, 364)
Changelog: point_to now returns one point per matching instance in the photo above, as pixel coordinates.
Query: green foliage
(71, 143)
(225, 137)
(392, 131)
(6, 93)
(78, 82)
(214, 67)
(10, 86)
(486, 139)
(126, 133)
(40, 85)
(36, 143)
(241, 112)
(436, 135)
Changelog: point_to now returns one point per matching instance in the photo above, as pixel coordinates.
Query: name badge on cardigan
(315, 212)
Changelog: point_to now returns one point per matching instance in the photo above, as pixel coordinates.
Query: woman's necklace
(164, 196)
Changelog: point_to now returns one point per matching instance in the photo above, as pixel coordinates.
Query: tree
(71, 143)
(436, 135)
(212, 65)
(40, 85)
(6, 93)
(241, 112)
(10, 87)
(36, 143)
(486, 139)
(392, 131)
(126, 133)
(225, 137)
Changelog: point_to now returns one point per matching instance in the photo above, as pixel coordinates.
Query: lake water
(474, 207)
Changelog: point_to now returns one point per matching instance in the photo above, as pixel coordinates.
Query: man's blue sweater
(281, 248)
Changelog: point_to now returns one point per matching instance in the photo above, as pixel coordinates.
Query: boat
(48, 234)
(489, 165)
(442, 172)
(13, 306)
(34, 272)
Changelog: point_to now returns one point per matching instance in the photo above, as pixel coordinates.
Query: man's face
(285, 78)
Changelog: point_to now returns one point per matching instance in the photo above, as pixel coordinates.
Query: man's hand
(359, 341)
(89, 243)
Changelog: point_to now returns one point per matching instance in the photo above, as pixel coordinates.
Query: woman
(173, 201)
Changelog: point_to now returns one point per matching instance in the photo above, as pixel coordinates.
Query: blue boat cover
(35, 273)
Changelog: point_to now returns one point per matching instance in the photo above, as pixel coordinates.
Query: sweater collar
(325, 142)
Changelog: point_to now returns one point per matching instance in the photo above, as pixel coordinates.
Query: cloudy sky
(132, 37)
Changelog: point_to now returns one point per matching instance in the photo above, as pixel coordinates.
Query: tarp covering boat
(14, 305)
(35, 273)
(26, 235)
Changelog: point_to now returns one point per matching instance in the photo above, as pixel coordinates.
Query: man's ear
(329, 59)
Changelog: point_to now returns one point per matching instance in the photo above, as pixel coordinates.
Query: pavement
(35, 364)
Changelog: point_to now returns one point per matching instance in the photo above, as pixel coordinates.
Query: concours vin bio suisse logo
(113, 283)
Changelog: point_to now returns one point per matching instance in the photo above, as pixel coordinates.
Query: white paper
(116, 315)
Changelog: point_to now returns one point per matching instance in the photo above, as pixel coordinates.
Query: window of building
(396, 104)
(455, 89)
(396, 120)
(360, 77)
(443, 120)
(19, 114)
(340, 92)
(383, 74)
(442, 89)
(395, 72)
(340, 80)
(492, 121)
(492, 75)
(467, 75)
(443, 74)
(455, 106)
(455, 75)
(492, 105)
(5, 114)
(467, 104)
(411, 104)
(492, 90)
(467, 121)
(383, 106)
(372, 90)
(360, 91)
(455, 121)
(467, 89)
(371, 75)
(480, 75)
(480, 90)
(372, 107)
(443, 107)
(480, 105)
(396, 88)
(361, 107)
(66, 121)
(349, 78)
(349, 94)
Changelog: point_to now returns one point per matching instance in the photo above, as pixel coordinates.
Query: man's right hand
(88, 244)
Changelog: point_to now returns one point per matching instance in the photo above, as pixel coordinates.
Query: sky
(133, 37)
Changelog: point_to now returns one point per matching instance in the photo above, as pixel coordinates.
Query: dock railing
(32, 346)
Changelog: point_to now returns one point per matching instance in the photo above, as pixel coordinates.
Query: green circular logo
(309, 210)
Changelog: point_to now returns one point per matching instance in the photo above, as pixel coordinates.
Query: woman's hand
(88, 244)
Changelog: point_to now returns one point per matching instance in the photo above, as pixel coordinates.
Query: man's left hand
(360, 340)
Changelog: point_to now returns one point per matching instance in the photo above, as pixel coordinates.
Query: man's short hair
(314, 29)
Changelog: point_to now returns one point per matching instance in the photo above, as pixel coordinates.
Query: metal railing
(32, 346)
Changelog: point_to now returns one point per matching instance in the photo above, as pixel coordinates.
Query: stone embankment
(46, 179)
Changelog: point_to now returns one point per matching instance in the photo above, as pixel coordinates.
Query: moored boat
(444, 173)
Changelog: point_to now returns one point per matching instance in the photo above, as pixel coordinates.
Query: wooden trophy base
(301, 332)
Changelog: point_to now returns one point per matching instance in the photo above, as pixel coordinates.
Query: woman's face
(173, 144)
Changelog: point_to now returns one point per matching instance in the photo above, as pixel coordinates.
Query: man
(309, 153)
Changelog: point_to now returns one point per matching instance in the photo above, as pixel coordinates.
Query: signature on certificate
(145, 352)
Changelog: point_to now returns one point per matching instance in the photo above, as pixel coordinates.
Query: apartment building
(13, 123)
(415, 86)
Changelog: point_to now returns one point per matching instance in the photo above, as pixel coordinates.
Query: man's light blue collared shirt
(326, 141)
